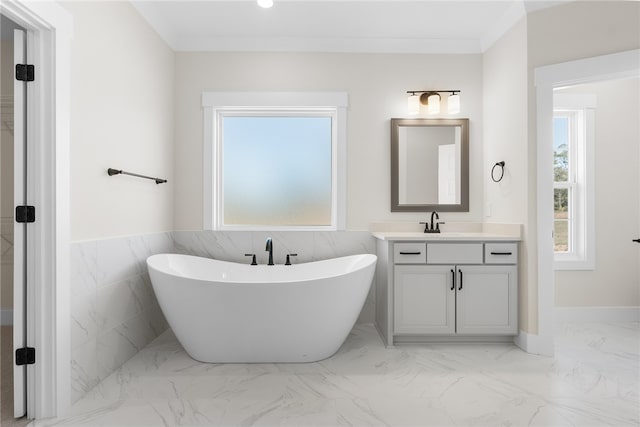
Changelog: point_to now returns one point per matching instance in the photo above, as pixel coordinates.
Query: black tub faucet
(270, 249)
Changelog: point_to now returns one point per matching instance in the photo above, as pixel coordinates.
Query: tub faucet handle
(253, 259)
(288, 261)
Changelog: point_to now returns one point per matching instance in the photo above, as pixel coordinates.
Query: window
(565, 141)
(274, 161)
(573, 195)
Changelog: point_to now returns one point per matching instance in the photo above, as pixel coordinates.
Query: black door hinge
(25, 356)
(25, 72)
(25, 214)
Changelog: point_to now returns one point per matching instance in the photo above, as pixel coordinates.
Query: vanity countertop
(444, 236)
(451, 232)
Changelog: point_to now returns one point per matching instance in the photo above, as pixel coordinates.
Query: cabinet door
(424, 300)
(487, 300)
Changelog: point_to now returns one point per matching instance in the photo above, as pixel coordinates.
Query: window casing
(254, 181)
(574, 210)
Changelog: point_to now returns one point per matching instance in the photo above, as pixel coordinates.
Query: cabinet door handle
(453, 279)
(410, 253)
(501, 253)
(460, 288)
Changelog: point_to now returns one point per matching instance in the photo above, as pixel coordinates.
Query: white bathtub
(225, 312)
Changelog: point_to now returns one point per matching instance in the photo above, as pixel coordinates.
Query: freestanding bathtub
(225, 312)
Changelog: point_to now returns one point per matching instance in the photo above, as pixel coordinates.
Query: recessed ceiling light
(265, 3)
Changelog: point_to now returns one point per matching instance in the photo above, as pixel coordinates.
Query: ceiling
(389, 26)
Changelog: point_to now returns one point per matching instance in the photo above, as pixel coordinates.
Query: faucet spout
(434, 213)
(269, 248)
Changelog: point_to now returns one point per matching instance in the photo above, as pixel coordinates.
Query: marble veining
(593, 380)
(309, 245)
(114, 312)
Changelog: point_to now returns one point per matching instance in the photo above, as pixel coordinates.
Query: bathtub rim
(368, 260)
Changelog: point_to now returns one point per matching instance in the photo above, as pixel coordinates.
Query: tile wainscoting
(114, 312)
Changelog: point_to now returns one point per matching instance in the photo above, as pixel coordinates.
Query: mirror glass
(429, 165)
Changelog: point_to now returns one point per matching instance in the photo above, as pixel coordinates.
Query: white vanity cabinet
(486, 300)
(451, 291)
(424, 300)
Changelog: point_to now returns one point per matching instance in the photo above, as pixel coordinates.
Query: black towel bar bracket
(112, 172)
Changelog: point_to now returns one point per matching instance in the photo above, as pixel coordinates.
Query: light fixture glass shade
(265, 3)
(433, 106)
(413, 104)
(453, 103)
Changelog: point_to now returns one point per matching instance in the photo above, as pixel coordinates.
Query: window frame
(573, 185)
(217, 105)
(580, 108)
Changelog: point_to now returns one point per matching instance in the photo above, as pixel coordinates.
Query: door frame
(49, 31)
(590, 70)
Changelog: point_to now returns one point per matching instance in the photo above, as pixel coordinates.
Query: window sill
(567, 263)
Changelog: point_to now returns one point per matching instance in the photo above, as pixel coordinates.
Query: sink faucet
(437, 226)
(270, 249)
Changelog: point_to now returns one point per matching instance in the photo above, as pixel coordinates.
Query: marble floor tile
(593, 380)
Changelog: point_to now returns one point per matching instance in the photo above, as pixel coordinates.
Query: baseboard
(534, 344)
(6, 317)
(596, 314)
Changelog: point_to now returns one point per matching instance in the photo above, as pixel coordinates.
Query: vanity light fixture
(432, 99)
(453, 103)
(433, 102)
(265, 3)
(413, 104)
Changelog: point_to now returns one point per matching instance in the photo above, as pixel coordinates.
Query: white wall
(616, 278)
(505, 139)
(122, 117)
(376, 85)
(122, 89)
(571, 31)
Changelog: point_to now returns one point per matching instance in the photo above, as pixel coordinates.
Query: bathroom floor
(592, 381)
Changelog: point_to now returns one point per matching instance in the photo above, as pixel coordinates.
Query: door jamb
(49, 31)
(613, 66)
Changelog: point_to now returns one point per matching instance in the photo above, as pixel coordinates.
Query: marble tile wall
(114, 312)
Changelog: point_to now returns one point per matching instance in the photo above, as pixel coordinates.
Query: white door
(19, 230)
(487, 300)
(636, 238)
(424, 300)
(447, 182)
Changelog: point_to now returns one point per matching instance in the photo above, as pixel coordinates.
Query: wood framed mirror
(429, 165)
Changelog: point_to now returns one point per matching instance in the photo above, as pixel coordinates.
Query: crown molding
(326, 44)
